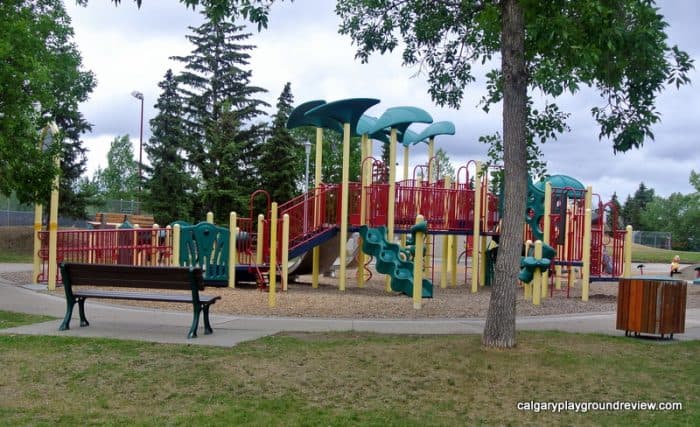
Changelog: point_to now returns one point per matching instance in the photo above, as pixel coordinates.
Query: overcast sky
(128, 49)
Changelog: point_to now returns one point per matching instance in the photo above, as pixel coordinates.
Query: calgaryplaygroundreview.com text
(617, 405)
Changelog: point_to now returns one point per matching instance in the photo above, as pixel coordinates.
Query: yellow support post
(176, 245)
(135, 239)
(405, 177)
(168, 236)
(232, 255)
(316, 260)
(91, 253)
(445, 264)
(453, 261)
(557, 277)
(586, 273)
(316, 252)
(431, 154)
(477, 230)
(261, 240)
(627, 267)
(210, 217)
(36, 261)
(546, 232)
(430, 242)
(272, 294)
(392, 195)
(363, 207)
(418, 267)
(53, 229)
(483, 239)
(345, 185)
(155, 229)
(285, 251)
(537, 278)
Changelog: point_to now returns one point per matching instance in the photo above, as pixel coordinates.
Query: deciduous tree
(619, 48)
(41, 80)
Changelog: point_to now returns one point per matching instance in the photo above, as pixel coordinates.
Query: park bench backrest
(127, 276)
(143, 221)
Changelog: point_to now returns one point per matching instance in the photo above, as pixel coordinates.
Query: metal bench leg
(195, 321)
(207, 326)
(65, 325)
(81, 310)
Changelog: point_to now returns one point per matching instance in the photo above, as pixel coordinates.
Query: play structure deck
(586, 239)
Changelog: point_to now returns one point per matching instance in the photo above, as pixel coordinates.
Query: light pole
(138, 95)
(307, 150)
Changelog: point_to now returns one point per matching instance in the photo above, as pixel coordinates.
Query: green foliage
(282, 161)
(256, 11)
(613, 219)
(617, 47)
(332, 162)
(443, 167)
(119, 180)
(552, 46)
(219, 111)
(169, 184)
(678, 214)
(40, 72)
(634, 206)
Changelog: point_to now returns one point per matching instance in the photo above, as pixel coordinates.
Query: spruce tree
(169, 185)
(281, 163)
(219, 110)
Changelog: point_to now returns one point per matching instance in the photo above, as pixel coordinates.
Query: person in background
(675, 265)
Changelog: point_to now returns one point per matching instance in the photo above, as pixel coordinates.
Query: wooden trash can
(651, 305)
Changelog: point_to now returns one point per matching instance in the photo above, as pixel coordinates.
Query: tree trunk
(499, 330)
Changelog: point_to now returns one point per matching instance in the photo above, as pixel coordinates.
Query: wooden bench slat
(140, 296)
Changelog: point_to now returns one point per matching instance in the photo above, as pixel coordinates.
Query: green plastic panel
(388, 261)
(205, 245)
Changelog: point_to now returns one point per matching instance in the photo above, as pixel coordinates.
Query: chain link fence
(656, 239)
(13, 213)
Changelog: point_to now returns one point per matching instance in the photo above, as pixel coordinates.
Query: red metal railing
(313, 213)
(146, 246)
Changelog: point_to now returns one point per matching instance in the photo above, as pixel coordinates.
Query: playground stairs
(262, 275)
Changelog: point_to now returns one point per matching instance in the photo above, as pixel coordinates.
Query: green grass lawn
(10, 319)
(15, 256)
(642, 253)
(344, 379)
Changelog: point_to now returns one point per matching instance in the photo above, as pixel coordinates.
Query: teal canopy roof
(563, 181)
(400, 118)
(298, 117)
(408, 137)
(437, 128)
(366, 123)
(344, 111)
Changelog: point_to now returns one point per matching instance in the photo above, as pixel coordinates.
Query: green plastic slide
(388, 261)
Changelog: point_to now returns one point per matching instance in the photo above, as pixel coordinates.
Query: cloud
(129, 49)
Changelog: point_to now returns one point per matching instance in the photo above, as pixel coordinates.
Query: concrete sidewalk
(142, 324)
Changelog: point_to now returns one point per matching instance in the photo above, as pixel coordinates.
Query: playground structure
(559, 213)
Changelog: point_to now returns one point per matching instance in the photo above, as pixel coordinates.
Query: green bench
(127, 276)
